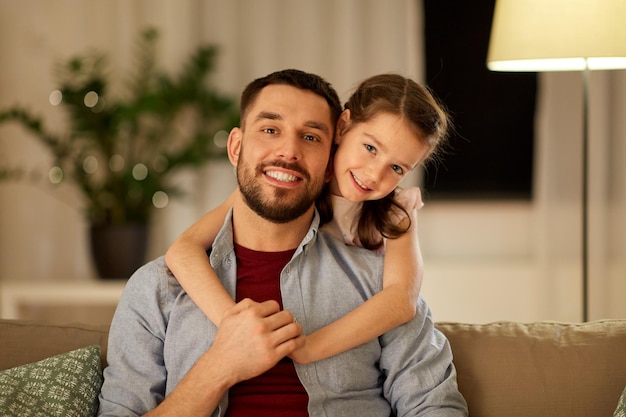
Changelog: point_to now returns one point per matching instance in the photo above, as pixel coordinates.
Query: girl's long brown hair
(399, 96)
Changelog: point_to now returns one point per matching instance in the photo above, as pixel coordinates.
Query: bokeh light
(91, 99)
(220, 138)
(116, 163)
(56, 97)
(140, 172)
(90, 164)
(160, 199)
(160, 163)
(55, 175)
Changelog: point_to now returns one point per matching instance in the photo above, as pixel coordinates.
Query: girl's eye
(370, 148)
(397, 169)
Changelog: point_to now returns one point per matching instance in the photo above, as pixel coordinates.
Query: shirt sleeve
(411, 198)
(134, 380)
(421, 379)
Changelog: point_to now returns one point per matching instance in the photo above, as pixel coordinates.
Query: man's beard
(283, 206)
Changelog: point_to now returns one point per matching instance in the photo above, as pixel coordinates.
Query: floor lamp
(561, 35)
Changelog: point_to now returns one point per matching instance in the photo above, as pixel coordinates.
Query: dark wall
(490, 155)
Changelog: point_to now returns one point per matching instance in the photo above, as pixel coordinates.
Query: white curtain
(559, 198)
(42, 233)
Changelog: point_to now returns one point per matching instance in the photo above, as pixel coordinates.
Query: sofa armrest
(26, 341)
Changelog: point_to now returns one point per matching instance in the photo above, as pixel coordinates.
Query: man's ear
(234, 145)
(342, 124)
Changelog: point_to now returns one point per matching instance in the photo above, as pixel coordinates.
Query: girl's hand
(302, 355)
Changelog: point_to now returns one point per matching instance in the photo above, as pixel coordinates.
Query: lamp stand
(585, 192)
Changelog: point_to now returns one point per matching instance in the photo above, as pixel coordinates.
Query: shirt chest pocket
(355, 370)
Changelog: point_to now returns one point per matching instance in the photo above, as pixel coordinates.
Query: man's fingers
(289, 346)
(264, 309)
(280, 319)
(267, 308)
(289, 331)
(280, 323)
(240, 306)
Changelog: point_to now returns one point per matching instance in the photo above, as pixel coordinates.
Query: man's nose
(290, 148)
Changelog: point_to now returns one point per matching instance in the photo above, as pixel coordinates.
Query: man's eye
(310, 138)
(370, 148)
(269, 131)
(397, 169)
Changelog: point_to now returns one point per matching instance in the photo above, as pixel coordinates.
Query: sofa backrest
(540, 369)
(23, 342)
(503, 369)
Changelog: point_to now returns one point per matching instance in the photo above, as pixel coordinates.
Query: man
(166, 358)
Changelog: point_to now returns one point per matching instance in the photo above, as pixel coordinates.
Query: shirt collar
(224, 243)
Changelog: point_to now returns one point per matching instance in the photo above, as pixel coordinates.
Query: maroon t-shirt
(278, 392)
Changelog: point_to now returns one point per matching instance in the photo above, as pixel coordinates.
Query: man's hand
(253, 337)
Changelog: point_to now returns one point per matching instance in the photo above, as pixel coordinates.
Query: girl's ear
(342, 124)
(234, 145)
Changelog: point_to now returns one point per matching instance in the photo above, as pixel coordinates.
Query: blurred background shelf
(91, 302)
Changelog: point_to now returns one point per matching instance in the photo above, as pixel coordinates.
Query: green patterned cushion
(64, 385)
(620, 411)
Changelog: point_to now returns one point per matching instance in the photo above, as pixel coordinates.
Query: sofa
(504, 369)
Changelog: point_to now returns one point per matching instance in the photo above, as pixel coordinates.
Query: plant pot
(118, 250)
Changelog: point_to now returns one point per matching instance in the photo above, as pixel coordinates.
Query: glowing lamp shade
(558, 35)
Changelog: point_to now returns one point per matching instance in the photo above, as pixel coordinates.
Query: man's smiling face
(282, 152)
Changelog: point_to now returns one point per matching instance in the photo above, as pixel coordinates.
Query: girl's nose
(375, 172)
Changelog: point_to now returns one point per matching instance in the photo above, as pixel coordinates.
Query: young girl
(389, 126)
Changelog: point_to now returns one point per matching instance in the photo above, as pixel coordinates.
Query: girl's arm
(188, 261)
(391, 307)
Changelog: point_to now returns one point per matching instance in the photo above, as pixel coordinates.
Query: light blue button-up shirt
(158, 333)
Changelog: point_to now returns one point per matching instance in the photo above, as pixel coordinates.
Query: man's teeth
(281, 176)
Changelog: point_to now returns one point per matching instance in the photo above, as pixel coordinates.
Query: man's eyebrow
(318, 125)
(266, 115)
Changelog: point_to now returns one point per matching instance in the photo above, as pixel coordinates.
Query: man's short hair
(294, 78)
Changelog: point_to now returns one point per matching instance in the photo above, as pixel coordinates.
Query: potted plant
(121, 151)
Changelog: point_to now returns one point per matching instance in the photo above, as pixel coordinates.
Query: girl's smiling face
(372, 157)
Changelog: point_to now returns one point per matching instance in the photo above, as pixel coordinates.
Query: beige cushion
(540, 369)
(30, 341)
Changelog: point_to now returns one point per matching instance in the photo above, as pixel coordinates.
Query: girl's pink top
(345, 212)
